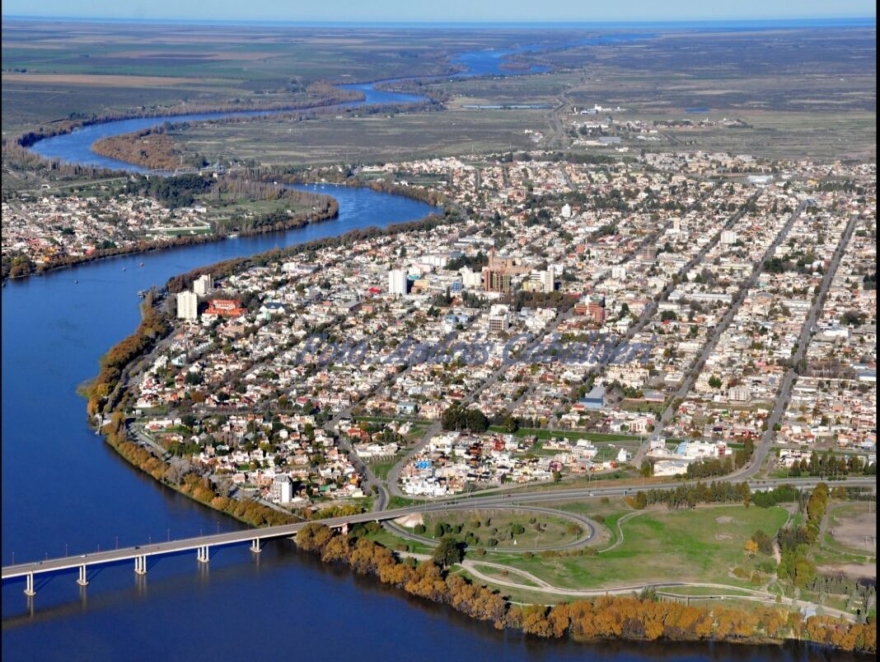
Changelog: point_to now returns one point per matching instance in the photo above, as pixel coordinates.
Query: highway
(503, 500)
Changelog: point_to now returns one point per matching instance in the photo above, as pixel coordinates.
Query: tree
(715, 381)
(449, 552)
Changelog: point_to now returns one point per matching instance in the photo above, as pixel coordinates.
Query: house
(407, 408)
(225, 308)
(595, 399)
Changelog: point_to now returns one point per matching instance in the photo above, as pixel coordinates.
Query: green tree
(449, 552)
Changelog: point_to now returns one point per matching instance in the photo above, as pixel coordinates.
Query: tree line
(606, 617)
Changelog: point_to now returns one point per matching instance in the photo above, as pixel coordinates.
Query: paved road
(694, 371)
(496, 501)
(788, 381)
(763, 447)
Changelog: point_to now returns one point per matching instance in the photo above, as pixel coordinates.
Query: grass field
(380, 468)
(664, 546)
(539, 532)
(801, 93)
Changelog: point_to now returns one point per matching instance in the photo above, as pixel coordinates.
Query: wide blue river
(65, 492)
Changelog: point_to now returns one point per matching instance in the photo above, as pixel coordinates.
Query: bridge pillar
(255, 546)
(82, 581)
(203, 554)
(29, 585)
(140, 564)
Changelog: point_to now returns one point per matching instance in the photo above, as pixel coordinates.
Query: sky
(446, 11)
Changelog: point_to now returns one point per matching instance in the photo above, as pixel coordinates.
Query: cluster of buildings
(453, 462)
(53, 227)
(573, 296)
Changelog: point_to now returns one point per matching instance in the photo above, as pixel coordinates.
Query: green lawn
(380, 468)
(486, 525)
(662, 545)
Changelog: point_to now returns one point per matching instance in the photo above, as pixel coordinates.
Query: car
(137, 546)
(82, 556)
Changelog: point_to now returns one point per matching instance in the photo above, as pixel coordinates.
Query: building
(595, 399)
(728, 237)
(203, 285)
(548, 278)
(739, 393)
(187, 306)
(596, 308)
(397, 282)
(470, 278)
(282, 489)
(225, 308)
(498, 322)
(496, 281)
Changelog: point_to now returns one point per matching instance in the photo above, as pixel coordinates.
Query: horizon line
(426, 23)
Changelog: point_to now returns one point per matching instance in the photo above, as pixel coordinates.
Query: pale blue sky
(444, 10)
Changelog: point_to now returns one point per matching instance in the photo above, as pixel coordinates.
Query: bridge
(256, 537)
(201, 545)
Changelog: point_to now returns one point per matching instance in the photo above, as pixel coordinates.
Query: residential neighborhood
(546, 308)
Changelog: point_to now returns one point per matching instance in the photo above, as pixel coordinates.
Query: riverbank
(607, 618)
(68, 125)
(260, 226)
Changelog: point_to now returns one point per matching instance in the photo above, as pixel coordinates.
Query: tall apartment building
(397, 281)
(496, 281)
(203, 285)
(187, 306)
(282, 489)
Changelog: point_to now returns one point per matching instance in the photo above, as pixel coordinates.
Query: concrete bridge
(201, 545)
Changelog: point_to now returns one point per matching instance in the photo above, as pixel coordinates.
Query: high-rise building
(548, 278)
(496, 281)
(187, 306)
(282, 489)
(203, 285)
(397, 281)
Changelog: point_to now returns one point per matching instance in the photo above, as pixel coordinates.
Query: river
(65, 492)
